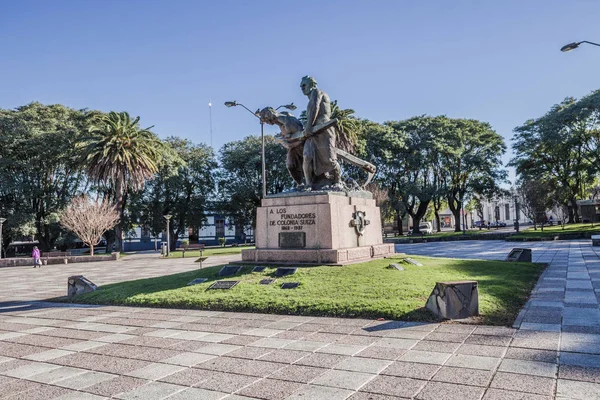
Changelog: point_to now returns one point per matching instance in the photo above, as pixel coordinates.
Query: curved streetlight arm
(585, 41)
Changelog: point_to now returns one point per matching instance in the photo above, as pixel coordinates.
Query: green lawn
(361, 290)
(212, 251)
(558, 229)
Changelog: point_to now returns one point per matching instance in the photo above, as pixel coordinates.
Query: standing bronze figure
(321, 168)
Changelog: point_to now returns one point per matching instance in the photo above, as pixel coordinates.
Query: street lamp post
(2, 220)
(168, 218)
(291, 107)
(574, 45)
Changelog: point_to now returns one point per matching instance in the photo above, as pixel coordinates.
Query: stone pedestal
(318, 228)
(454, 300)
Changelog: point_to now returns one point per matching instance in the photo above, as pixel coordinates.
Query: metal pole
(210, 119)
(517, 214)
(1, 222)
(264, 176)
(168, 238)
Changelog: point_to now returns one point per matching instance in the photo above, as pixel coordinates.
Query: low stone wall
(28, 262)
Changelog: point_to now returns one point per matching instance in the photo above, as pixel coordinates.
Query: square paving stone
(342, 349)
(381, 353)
(359, 364)
(284, 356)
(79, 382)
(500, 394)
(270, 389)
(150, 391)
(449, 391)
(439, 347)
(306, 345)
(343, 379)
(520, 353)
(396, 343)
(577, 373)
(528, 367)
(196, 394)
(475, 362)
(16, 386)
(463, 376)
(524, 383)
(481, 350)
(411, 370)
(80, 396)
(447, 337)
(248, 352)
(188, 376)
(43, 392)
(30, 370)
(188, 359)
(311, 392)
(582, 360)
(298, 373)
(155, 371)
(227, 383)
(241, 366)
(488, 340)
(321, 360)
(371, 396)
(578, 390)
(217, 349)
(394, 386)
(426, 357)
(272, 343)
(57, 375)
(112, 387)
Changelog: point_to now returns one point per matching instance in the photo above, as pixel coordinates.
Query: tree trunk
(120, 208)
(399, 222)
(437, 221)
(575, 210)
(91, 249)
(418, 215)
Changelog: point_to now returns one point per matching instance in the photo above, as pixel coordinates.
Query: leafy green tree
(120, 155)
(403, 154)
(470, 153)
(239, 179)
(39, 171)
(554, 149)
(182, 187)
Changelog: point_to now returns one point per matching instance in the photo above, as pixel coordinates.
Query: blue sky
(496, 61)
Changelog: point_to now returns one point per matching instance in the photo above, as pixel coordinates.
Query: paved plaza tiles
(49, 351)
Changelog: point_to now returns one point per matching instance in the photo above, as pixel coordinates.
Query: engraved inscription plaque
(292, 240)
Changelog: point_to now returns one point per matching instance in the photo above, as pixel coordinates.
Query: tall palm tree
(347, 130)
(120, 155)
(347, 127)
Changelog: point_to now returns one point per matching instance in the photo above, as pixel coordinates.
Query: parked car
(424, 227)
(478, 224)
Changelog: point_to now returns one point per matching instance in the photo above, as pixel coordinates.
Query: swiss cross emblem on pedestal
(359, 222)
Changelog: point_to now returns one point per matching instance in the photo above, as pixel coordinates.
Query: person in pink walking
(37, 262)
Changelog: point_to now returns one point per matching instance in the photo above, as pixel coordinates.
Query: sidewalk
(140, 353)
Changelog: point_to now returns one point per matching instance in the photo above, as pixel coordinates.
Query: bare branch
(89, 219)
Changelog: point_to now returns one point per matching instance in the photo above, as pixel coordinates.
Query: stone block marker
(519, 255)
(454, 300)
(595, 240)
(78, 284)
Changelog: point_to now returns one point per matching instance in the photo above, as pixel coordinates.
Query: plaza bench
(55, 254)
(192, 246)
